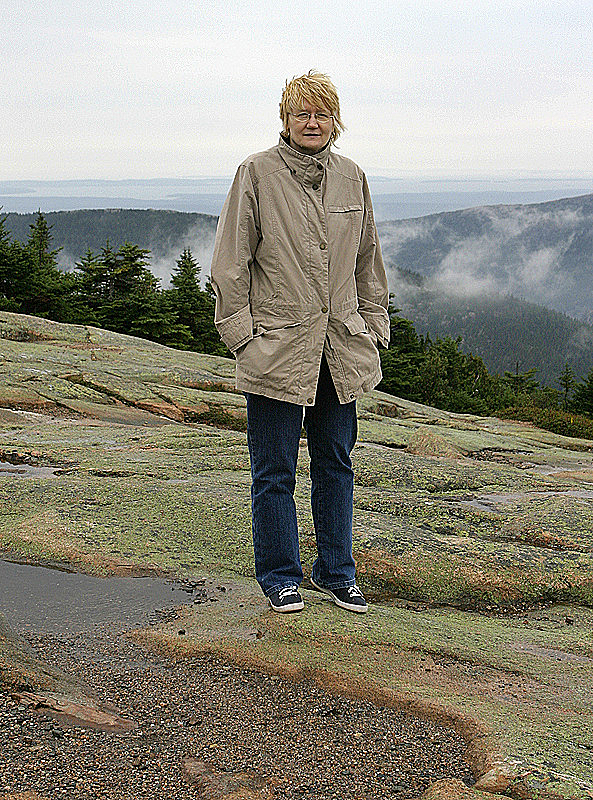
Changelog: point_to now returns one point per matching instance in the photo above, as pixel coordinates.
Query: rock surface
(474, 537)
(214, 784)
(456, 790)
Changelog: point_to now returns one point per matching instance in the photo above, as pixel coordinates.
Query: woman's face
(311, 136)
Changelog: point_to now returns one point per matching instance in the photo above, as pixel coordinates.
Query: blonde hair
(317, 89)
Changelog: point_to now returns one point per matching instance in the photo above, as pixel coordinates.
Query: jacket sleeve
(237, 239)
(371, 280)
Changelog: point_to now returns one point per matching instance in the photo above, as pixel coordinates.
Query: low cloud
(493, 250)
(201, 247)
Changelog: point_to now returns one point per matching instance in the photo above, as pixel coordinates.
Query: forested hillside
(504, 331)
(455, 297)
(115, 289)
(164, 233)
(541, 252)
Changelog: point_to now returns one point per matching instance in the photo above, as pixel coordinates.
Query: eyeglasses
(320, 116)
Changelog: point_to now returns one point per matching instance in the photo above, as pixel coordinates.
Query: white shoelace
(286, 591)
(354, 591)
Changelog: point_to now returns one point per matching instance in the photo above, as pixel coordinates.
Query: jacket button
(324, 309)
(322, 246)
(309, 399)
(316, 186)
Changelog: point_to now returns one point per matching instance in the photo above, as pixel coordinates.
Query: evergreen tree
(185, 298)
(583, 396)
(522, 383)
(433, 378)
(40, 282)
(401, 362)
(567, 382)
(8, 270)
(89, 287)
(127, 289)
(194, 306)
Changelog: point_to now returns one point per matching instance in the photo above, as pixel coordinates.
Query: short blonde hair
(317, 89)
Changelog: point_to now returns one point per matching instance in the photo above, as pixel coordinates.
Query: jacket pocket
(343, 209)
(273, 353)
(261, 330)
(355, 323)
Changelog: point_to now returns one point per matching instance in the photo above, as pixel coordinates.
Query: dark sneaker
(350, 597)
(286, 599)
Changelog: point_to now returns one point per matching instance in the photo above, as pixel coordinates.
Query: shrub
(552, 419)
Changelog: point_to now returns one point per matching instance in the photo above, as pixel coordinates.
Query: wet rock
(89, 713)
(456, 790)
(161, 408)
(213, 784)
(498, 779)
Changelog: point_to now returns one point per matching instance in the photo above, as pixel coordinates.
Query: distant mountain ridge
(541, 252)
(461, 273)
(165, 233)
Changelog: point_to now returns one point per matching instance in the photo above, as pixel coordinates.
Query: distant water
(393, 198)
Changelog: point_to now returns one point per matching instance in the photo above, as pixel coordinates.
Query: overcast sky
(165, 88)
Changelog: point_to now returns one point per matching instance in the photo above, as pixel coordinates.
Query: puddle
(9, 470)
(38, 600)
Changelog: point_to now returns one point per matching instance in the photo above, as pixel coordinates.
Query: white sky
(164, 88)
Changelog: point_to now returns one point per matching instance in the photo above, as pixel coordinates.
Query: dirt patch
(253, 730)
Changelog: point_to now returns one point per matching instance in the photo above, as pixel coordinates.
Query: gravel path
(312, 745)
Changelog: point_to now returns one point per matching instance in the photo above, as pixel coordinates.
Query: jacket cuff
(378, 324)
(237, 329)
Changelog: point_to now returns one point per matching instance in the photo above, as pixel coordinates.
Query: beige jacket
(297, 271)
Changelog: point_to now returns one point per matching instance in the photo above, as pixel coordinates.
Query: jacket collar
(308, 169)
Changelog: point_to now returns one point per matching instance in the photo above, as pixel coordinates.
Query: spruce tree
(194, 306)
(9, 252)
(567, 382)
(583, 396)
(42, 287)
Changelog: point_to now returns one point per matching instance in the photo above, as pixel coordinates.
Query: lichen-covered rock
(427, 443)
(445, 545)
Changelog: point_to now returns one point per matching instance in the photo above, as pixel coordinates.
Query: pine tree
(583, 396)
(567, 382)
(9, 301)
(42, 289)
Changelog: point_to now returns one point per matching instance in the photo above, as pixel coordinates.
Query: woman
(301, 300)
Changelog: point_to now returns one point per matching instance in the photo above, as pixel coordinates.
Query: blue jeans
(273, 432)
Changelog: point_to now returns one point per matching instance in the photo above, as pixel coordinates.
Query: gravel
(310, 744)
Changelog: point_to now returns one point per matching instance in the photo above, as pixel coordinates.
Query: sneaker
(286, 599)
(350, 597)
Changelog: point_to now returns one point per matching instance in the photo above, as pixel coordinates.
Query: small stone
(213, 784)
(455, 790)
(498, 779)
